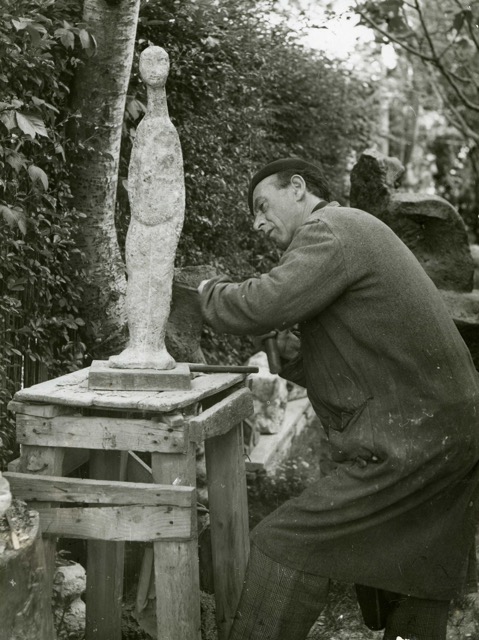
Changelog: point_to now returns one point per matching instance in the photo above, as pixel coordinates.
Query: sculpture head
(154, 66)
(283, 194)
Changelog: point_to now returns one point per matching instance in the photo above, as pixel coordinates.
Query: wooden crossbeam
(41, 410)
(32, 487)
(137, 470)
(129, 523)
(128, 511)
(98, 432)
(219, 418)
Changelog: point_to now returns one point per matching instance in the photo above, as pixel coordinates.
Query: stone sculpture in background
(157, 199)
(427, 224)
(270, 395)
(69, 584)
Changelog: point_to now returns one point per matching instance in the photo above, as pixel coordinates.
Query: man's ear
(299, 186)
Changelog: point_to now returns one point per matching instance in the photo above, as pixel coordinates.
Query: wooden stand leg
(177, 590)
(229, 522)
(105, 563)
(46, 461)
(176, 563)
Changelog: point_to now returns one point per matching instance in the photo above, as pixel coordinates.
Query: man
(397, 394)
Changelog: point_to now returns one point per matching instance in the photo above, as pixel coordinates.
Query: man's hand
(289, 345)
(202, 285)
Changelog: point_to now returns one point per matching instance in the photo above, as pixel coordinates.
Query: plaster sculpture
(5, 495)
(157, 198)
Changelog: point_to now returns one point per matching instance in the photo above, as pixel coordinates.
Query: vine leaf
(14, 217)
(38, 175)
(31, 125)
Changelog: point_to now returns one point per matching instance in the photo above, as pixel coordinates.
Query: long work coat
(397, 394)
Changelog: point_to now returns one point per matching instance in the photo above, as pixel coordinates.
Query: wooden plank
(229, 522)
(102, 376)
(31, 487)
(179, 469)
(222, 416)
(105, 561)
(43, 461)
(133, 523)
(72, 390)
(41, 410)
(137, 470)
(176, 569)
(271, 449)
(99, 433)
(177, 590)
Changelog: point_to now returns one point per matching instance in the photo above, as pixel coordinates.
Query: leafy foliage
(442, 37)
(39, 47)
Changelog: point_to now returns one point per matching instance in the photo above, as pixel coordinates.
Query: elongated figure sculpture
(157, 200)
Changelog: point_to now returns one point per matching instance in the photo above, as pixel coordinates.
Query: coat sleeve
(310, 276)
(294, 371)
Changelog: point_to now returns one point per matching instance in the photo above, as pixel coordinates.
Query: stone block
(429, 225)
(270, 395)
(184, 326)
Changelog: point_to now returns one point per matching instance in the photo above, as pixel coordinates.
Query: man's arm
(309, 277)
(289, 347)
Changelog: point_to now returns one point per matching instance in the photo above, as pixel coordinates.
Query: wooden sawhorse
(61, 423)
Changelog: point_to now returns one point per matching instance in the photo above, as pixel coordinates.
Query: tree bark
(99, 96)
(25, 606)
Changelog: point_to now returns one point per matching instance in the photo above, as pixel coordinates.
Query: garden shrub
(41, 268)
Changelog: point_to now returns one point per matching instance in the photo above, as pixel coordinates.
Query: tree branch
(387, 35)
(431, 59)
(458, 121)
(472, 33)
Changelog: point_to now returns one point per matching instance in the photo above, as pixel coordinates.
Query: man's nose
(258, 222)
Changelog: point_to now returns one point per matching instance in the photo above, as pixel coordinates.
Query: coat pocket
(337, 418)
(349, 432)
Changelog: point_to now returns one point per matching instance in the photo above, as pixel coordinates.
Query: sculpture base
(101, 376)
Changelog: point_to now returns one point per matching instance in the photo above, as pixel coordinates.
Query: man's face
(275, 211)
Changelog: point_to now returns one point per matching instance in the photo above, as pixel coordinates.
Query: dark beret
(284, 164)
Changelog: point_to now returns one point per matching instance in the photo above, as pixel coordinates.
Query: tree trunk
(25, 606)
(99, 96)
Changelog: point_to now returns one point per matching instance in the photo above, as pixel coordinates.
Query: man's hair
(315, 180)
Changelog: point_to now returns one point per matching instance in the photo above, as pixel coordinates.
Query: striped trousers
(279, 603)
